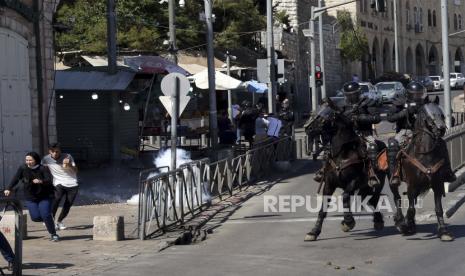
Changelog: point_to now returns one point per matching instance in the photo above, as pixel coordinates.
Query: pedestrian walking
(6, 251)
(64, 172)
(38, 190)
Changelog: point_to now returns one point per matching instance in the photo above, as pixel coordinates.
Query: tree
(143, 24)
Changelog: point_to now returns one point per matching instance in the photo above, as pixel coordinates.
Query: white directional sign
(168, 103)
(168, 84)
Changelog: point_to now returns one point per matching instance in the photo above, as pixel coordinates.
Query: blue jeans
(41, 210)
(5, 249)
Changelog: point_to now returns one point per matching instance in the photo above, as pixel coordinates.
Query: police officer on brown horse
(403, 113)
(358, 109)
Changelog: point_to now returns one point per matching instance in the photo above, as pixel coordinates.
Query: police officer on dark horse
(349, 131)
(419, 148)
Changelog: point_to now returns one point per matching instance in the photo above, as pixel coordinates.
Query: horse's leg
(348, 223)
(316, 230)
(443, 233)
(399, 216)
(411, 227)
(378, 221)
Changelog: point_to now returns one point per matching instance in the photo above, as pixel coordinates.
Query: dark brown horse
(346, 169)
(421, 165)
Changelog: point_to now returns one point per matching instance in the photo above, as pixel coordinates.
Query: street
(252, 242)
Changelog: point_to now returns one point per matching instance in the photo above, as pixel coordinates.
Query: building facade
(419, 36)
(26, 80)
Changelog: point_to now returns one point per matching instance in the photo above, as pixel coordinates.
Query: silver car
(389, 89)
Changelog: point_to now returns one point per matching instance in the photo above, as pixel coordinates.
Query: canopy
(153, 65)
(256, 87)
(222, 81)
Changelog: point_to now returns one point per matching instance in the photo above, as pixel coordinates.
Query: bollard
(108, 228)
(7, 226)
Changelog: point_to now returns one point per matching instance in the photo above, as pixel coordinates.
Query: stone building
(26, 80)
(419, 40)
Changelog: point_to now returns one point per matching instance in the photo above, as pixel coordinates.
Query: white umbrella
(222, 81)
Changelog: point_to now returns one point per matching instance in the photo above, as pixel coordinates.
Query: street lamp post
(270, 58)
(396, 45)
(445, 58)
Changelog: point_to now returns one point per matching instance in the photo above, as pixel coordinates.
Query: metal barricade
(18, 248)
(455, 139)
(168, 198)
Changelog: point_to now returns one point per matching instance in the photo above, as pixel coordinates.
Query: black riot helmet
(416, 92)
(352, 92)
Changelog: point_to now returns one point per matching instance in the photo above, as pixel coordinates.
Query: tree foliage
(353, 42)
(143, 24)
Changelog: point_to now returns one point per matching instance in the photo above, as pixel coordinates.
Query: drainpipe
(35, 8)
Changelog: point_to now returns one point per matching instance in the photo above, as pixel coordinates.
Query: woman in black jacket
(38, 190)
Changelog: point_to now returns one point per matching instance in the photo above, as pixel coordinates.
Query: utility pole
(211, 74)
(396, 45)
(228, 71)
(322, 52)
(312, 60)
(111, 36)
(445, 58)
(271, 58)
(172, 32)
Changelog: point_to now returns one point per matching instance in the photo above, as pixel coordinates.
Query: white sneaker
(60, 226)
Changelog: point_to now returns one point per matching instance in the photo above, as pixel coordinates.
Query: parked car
(389, 89)
(426, 81)
(438, 82)
(456, 80)
(368, 90)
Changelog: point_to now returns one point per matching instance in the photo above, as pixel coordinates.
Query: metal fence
(458, 118)
(18, 248)
(170, 198)
(455, 139)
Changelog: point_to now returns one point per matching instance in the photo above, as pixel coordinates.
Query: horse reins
(427, 171)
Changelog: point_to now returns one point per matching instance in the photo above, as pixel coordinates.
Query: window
(430, 23)
(434, 18)
(415, 15)
(455, 21)
(392, 10)
(460, 21)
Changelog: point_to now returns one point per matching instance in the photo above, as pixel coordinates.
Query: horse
(347, 159)
(420, 168)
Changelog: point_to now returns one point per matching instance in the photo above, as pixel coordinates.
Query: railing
(18, 250)
(171, 198)
(455, 139)
(458, 118)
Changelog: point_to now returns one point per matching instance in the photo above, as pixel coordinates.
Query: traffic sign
(168, 103)
(168, 84)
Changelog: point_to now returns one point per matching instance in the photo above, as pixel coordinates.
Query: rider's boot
(393, 150)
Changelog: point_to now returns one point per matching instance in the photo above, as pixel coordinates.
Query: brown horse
(421, 164)
(346, 168)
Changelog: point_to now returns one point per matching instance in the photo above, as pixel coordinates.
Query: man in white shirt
(64, 172)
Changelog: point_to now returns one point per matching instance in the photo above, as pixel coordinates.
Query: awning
(193, 68)
(93, 80)
(153, 65)
(256, 87)
(222, 81)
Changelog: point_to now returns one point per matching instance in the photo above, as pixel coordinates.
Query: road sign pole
(174, 121)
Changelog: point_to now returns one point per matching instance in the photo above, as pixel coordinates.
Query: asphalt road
(253, 242)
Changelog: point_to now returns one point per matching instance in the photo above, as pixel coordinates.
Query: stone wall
(11, 20)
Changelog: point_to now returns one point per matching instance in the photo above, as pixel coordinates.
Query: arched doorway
(433, 61)
(458, 61)
(409, 61)
(375, 55)
(420, 60)
(386, 56)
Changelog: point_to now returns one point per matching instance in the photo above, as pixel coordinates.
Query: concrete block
(7, 227)
(108, 228)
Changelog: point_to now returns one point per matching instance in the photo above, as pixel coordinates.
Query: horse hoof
(346, 227)
(310, 237)
(378, 226)
(446, 237)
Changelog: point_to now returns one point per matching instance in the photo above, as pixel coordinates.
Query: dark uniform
(360, 112)
(403, 113)
(287, 118)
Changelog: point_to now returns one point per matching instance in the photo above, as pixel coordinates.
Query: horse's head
(320, 122)
(431, 117)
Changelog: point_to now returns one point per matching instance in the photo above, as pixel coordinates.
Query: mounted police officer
(360, 112)
(403, 112)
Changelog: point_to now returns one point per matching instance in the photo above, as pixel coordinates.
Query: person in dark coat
(38, 190)
(287, 118)
(247, 121)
